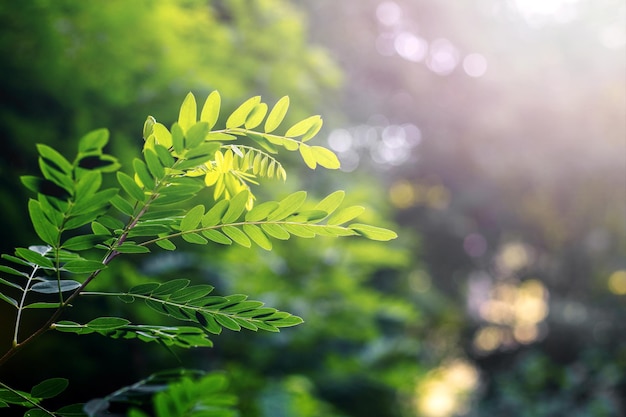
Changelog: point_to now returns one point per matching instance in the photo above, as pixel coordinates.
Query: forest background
(490, 134)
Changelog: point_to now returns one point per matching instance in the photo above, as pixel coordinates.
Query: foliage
(76, 216)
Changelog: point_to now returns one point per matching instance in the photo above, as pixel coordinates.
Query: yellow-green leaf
(303, 126)
(239, 116)
(277, 114)
(211, 109)
(325, 157)
(307, 156)
(187, 116)
(256, 116)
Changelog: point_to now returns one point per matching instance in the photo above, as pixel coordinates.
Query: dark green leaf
(190, 293)
(49, 388)
(83, 266)
(166, 158)
(227, 322)
(34, 257)
(78, 243)
(107, 323)
(12, 271)
(144, 289)
(122, 205)
(41, 305)
(8, 299)
(131, 247)
(43, 186)
(10, 284)
(48, 232)
(104, 163)
(53, 286)
(171, 286)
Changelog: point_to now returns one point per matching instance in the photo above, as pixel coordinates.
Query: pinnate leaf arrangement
(75, 217)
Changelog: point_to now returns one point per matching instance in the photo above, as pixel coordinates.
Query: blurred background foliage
(490, 134)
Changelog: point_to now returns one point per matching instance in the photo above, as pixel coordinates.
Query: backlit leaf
(187, 116)
(256, 116)
(288, 206)
(239, 116)
(261, 211)
(211, 109)
(277, 114)
(44, 229)
(345, 215)
(307, 156)
(51, 155)
(216, 237)
(325, 157)
(236, 207)
(374, 233)
(304, 126)
(237, 236)
(192, 218)
(330, 203)
(93, 141)
(256, 234)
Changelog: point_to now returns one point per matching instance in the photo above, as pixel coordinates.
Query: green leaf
(144, 289)
(53, 286)
(261, 211)
(166, 158)
(239, 116)
(277, 115)
(130, 186)
(330, 203)
(131, 247)
(325, 157)
(192, 218)
(148, 127)
(104, 163)
(166, 244)
(237, 236)
(256, 116)
(313, 130)
(307, 156)
(196, 134)
(93, 203)
(211, 109)
(178, 138)
(8, 299)
(34, 257)
(12, 271)
(49, 388)
(303, 127)
(141, 170)
(236, 207)
(216, 237)
(107, 323)
(122, 205)
(187, 116)
(83, 266)
(78, 243)
(44, 186)
(227, 322)
(276, 231)
(169, 287)
(163, 136)
(88, 184)
(93, 141)
(256, 234)
(374, 233)
(36, 412)
(194, 238)
(42, 305)
(48, 232)
(288, 206)
(54, 157)
(10, 284)
(215, 214)
(345, 215)
(184, 295)
(154, 164)
(299, 230)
